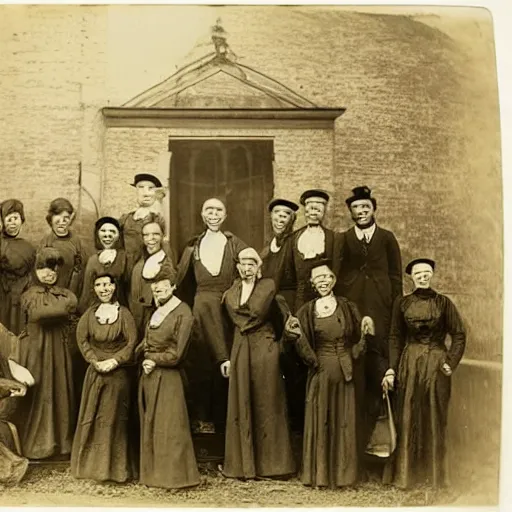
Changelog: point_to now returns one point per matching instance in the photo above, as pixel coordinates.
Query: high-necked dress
(257, 430)
(17, 258)
(332, 348)
(117, 269)
(48, 412)
(167, 457)
(101, 447)
(420, 324)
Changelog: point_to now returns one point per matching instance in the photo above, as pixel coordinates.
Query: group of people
(116, 358)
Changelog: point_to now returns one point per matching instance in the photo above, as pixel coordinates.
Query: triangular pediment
(218, 81)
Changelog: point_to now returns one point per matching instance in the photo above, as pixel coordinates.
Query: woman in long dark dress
(110, 258)
(48, 413)
(258, 440)
(60, 217)
(154, 258)
(16, 263)
(328, 337)
(422, 366)
(167, 456)
(106, 335)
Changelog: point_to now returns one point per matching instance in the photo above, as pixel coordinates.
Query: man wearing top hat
(147, 187)
(371, 277)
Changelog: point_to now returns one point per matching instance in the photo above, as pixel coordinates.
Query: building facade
(290, 98)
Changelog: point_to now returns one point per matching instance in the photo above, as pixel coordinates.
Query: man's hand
(446, 369)
(367, 326)
(225, 369)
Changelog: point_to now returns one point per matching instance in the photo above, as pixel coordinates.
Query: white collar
(325, 306)
(161, 312)
(153, 264)
(273, 246)
(107, 313)
(247, 289)
(368, 232)
(107, 256)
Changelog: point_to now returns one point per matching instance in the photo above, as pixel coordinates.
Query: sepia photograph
(250, 256)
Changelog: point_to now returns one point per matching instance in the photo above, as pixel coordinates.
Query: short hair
(57, 206)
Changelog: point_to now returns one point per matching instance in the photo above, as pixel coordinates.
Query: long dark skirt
(258, 439)
(330, 452)
(423, 395)
(101, 448)
(167, 456)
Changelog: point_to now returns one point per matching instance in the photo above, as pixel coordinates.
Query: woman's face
(162, 291)
(12, 224)
(61, 223)
(104, 289)
(108, 235)
(247, 268)
(46, 276)
(323, 281)
(281, 217)
(421, 275)
(152, 237)
(146, 193)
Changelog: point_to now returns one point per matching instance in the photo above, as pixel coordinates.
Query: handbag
(383, 439)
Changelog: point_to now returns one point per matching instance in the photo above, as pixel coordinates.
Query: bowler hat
(410, 265)
(146, 177)
(315, 192)
(282, 202)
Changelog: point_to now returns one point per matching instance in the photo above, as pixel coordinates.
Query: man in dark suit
(371, 276)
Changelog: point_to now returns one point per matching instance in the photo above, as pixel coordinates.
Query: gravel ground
(54, 486)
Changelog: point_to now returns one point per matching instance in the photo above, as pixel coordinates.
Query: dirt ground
(54, 486)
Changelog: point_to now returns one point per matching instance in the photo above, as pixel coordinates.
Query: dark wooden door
(238, 172)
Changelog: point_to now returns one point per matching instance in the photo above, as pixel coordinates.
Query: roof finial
(219, 38)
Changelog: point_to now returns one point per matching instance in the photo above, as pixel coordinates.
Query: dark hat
(146, 177)
(107, 220)
(359, 193)
(282, 202)
(12, 206)
(315, 192)
(410, 265)
(320, 262)
(49, 257)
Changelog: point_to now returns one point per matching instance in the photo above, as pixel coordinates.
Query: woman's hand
(19, 391)
(446, 369)
(225, 369)
(148, 366)
(292, 327)
(21, 374)
(388, 382)
(367, 326)
(106, 366)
